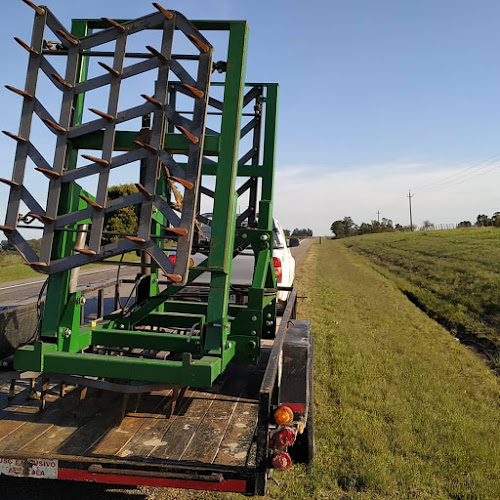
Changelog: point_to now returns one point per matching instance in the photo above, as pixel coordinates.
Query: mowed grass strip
(401, 409)
(453, 275)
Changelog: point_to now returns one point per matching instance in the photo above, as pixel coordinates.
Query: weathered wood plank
(117, 437)
(176, 439)
(75, 414)
(205, 442)
(150, 436)
(91, 432)
(179, 432)
(236, 442)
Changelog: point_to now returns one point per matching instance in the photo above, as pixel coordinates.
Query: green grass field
(453, 275)
(402, 410)
(12, 266)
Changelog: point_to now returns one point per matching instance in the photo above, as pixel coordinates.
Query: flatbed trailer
(215, 439)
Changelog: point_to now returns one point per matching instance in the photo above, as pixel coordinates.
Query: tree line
(482, 220)
(298, 232)
(345, 227)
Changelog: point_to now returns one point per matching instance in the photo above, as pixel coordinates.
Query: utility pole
(410, 196)
(378, 216)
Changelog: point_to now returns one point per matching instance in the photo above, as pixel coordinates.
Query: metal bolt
(264, 237)
(269, 315)
(253, 332)
(269, 323)
(81, 301)
(244, 236)
(67, 333)
(254, 318)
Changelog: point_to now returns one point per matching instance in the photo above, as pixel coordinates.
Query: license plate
(37, 468)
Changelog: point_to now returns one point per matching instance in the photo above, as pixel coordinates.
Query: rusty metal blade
(192, 138)
(19, 92)
(197, 92)
(51, 174)
(164, 11)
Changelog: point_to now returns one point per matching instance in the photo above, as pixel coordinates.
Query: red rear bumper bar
(233, 485)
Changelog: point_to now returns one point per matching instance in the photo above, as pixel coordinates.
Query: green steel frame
(226, 332)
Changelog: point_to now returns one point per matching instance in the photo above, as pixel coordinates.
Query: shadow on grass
(33, 489)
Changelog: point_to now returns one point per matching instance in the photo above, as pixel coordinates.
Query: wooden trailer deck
(214, 426)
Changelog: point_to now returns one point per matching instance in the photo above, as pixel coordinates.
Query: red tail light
(281, 461)
(278, 271)
(173, 260)
(284, 438)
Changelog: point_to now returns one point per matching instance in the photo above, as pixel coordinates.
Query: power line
(460, 172)
(468, 176)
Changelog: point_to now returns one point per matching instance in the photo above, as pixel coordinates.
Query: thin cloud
(307, 198)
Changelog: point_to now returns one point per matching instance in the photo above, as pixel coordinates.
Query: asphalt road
(300, 251)
(22, 292)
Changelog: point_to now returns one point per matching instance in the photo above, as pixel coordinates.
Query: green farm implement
(145, 102)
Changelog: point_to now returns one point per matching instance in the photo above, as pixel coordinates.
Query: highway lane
(19, 293)
(300, 251)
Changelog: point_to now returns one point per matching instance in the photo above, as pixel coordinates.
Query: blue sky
(377, 97)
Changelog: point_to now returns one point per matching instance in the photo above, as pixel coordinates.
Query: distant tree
(347, 227)
(337, 228)
(35, 244)
(287, 232)
(483, 220)
(302, 232)
(350, 228)
(464, 223)
(399, 227)
(123, 220)
(365, 228)
(376, 226)
(387, 225)
(496, 219)
(427, 224)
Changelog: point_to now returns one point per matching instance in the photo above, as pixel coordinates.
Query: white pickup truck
(243, 265)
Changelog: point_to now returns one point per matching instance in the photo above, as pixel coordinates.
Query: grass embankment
(454, 276)
(401, 409)
(12, 266)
